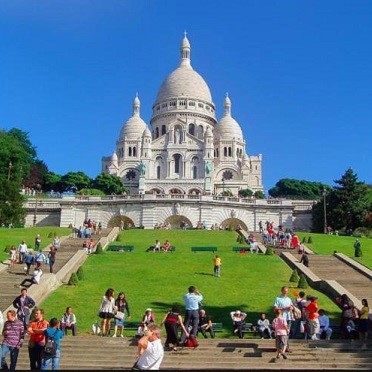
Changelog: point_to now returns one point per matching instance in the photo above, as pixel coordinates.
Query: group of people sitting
(157, 247)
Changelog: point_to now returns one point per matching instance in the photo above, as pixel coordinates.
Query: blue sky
(299, 75)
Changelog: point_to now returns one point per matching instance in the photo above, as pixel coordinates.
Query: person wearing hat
(147, 319)
(312, 321)
(238, 318)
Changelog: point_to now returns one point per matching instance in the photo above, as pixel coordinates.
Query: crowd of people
(18, 324)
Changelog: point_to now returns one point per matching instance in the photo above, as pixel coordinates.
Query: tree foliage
(245, 193)
(11, 202)
(109, 184)
(347, 205)
(297, 189)
(78, 179)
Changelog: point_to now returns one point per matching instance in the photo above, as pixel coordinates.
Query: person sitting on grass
(166, 246)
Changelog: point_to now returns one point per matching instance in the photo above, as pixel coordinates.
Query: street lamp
(10, 169)
(37, 190)
(325, 210)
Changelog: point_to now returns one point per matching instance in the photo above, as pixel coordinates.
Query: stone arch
(234, 224)
(156, 190)
(176, 191)
(194, 191)
(116, 222)
(176, 221)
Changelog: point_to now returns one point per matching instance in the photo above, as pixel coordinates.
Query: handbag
(119, 315)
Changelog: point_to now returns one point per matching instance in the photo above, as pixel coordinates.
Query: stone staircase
(90, 352)
(9, 279)
(332, 268)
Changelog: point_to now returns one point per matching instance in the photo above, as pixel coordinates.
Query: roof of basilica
(184, 81)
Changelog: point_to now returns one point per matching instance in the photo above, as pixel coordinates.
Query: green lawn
(249, 282)
(327, 244)
(10, 237)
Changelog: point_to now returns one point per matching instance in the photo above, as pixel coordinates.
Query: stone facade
(187, 150)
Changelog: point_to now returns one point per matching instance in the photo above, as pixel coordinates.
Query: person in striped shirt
(13, 333)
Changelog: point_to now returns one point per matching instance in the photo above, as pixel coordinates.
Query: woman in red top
(172, 321)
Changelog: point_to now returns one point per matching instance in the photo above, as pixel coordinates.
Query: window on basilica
(227, 175)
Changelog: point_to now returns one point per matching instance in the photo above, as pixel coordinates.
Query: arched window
(130, 151)
(194, 172)
(229, 151)
(163, 130)
(177, 163)
(217, 153)
(225, 151)
(200, 131)
(158, 172)
(157, 132)
(134, 151)
(192, 129)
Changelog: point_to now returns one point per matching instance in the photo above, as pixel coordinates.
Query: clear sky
(298, 73)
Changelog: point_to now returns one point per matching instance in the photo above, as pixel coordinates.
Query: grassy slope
(158, 280)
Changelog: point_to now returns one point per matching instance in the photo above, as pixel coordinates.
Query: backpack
(50, 347)
(191, 341)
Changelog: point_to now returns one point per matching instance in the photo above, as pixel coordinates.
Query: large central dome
(184, 81)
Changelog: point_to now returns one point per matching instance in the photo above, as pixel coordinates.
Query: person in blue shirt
(192, 301)
(52, 331)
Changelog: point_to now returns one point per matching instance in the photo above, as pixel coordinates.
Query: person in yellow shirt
(217, 265)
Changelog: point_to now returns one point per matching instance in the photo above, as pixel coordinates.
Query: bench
(121, 248)
(217, 327)
(241, 249)
(203, 249)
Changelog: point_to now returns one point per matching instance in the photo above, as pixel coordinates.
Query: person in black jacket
(24, 303)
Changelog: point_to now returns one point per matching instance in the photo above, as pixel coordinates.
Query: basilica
(185, 149)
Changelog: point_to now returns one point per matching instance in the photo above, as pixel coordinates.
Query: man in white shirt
(22, 250)
(35, 279)
(150, 349)
(325, 331)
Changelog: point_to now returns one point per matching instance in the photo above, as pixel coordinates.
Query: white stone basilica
(187, 150)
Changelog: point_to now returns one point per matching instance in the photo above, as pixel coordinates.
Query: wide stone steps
(94, 352)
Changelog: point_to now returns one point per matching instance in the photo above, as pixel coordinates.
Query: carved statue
(177, 208)
(208, 167)
(142, 168)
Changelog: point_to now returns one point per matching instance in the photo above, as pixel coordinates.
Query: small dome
(114, 157)
(228, 128)
(135, 126)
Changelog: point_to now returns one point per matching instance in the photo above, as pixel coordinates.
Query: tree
(296, 189)
(259, 195)
(245, 193)
(109, 184)
(38, 174)
(53, 182)
(77, 179)
(347, 205)
(11, 202)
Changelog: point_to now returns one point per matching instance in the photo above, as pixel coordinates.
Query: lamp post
(325, 210)
(37, 190)
(10, 169)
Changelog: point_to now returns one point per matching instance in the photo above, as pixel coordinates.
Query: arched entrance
(178, 222)
(233, 224)
(118, 221)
